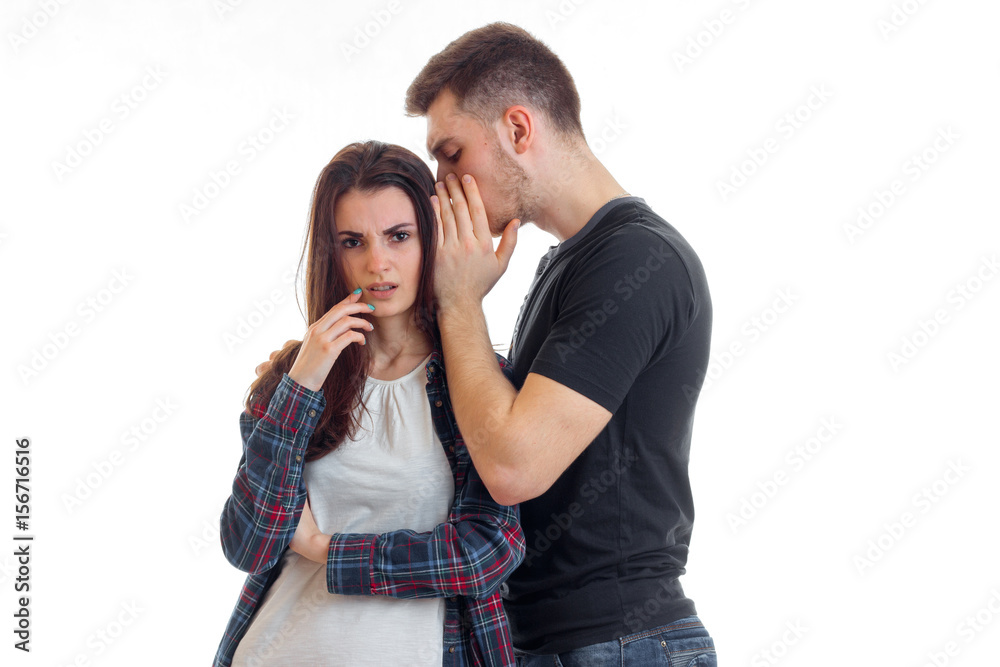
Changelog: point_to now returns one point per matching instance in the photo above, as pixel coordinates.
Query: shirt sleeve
(623, 304)
(505, 367)
(471, 555)
(260, 515)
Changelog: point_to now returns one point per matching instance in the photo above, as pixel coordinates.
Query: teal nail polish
(357, 291)
(371, 306)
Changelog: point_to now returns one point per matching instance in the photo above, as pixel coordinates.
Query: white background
(145, 536)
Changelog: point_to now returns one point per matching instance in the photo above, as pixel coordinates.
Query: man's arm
(520, 442)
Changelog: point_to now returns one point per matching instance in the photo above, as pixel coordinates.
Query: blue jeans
(683, 643)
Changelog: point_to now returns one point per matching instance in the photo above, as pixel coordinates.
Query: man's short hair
(493, 68)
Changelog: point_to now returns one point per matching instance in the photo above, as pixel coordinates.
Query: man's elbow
(511, 485)
(507, 466)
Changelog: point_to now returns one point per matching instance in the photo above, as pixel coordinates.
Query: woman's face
(380, 248)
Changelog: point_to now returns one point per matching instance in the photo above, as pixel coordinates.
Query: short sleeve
(621, 304)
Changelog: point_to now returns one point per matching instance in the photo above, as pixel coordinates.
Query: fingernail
(434, 199)
(450, 177)
(467, 179)
(439, 185)
(357, 291)
(372, 306)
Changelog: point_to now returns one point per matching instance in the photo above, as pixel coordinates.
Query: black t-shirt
(621, 313)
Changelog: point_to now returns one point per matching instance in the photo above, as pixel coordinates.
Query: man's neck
(571, 198)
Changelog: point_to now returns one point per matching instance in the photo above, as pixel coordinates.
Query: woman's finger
(349, 306)
(345, 339)
(346, 324)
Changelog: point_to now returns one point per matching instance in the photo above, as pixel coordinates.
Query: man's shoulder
(636, 237)
(635, 224)
(641, 220)
(637, 257)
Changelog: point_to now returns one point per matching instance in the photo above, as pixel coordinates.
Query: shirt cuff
(349, 564)
(294, 406)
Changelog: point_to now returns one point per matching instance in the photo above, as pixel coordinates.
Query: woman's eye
(348, 243)
(401, 236)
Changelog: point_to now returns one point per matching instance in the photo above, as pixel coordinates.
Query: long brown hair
(365, 167)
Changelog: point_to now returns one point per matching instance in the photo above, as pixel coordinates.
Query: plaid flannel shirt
(464, 560)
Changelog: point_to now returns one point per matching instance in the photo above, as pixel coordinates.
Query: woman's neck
(396, 346)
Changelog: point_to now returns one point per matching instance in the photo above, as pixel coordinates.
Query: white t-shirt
(394, 475)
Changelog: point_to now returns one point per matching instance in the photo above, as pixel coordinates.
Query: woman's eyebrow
(389, 230)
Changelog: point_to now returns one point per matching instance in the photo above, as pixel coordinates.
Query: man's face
(462, 146)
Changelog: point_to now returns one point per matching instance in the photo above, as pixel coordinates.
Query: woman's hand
(308, 541)
(326, 338)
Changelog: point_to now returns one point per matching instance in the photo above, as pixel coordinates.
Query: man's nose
(442, 171)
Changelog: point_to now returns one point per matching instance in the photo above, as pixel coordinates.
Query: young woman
(367, 534)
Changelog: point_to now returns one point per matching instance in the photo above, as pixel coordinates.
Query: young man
(609, 353)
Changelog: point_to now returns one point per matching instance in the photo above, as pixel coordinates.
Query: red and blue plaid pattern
(464, 560)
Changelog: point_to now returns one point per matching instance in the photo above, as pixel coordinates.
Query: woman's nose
(377, 258)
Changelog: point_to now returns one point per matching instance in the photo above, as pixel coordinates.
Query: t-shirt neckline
(403, 378)
(594, 219)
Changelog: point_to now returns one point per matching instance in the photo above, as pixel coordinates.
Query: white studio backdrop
(833, 164)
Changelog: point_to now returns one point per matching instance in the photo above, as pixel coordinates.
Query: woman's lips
(382, 294)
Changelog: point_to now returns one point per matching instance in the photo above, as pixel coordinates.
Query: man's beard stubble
(515, 192)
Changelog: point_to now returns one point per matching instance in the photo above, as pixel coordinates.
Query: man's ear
(519, 125)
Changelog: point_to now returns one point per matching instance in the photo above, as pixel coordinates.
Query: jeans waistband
(689, 626)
